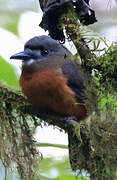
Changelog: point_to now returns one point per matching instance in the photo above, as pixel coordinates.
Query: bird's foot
(70, 120)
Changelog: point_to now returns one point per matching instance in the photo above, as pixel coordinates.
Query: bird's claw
(69, 120)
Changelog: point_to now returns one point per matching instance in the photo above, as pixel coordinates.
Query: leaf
(7, 73)
(69, 177)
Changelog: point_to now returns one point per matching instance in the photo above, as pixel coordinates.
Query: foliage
(96, 137)
(105, 69)
(57, 170)
(17, 150)
(7, 73)
(97, 149)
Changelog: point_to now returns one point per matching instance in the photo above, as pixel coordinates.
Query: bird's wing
(75, 78)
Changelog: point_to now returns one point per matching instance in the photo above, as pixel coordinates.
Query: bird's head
(41, 52)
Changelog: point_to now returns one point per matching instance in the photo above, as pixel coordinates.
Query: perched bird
(50, 80)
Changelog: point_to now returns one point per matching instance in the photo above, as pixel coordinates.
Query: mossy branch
(74, 32)
(96, 150)
(51, 145)
(12, 100)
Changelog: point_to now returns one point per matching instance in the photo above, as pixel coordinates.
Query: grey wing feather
(75, 78)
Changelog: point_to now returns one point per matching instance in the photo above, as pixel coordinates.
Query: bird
(50, 80)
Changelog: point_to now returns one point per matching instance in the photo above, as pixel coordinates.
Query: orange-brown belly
(48, 90)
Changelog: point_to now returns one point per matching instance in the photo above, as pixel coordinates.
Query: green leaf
(66, 177)
(7, 73)
(45, 178)
(61, 166)
(69, 177)
(57, 170)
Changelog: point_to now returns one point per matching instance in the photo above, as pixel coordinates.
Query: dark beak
(21, 56)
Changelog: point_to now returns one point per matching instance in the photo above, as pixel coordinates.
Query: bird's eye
(44, 52)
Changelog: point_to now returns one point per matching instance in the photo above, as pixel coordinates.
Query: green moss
(97, 148)
(95, 145)
(16, 135)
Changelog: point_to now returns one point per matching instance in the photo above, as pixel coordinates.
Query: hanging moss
(16, 135)
(97, 147)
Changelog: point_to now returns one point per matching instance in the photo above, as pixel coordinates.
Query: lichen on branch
(97, 135)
